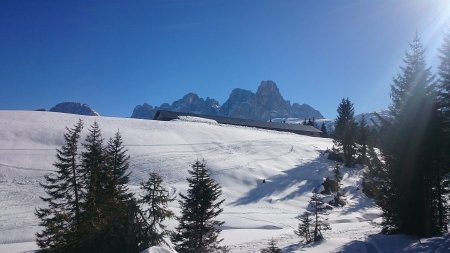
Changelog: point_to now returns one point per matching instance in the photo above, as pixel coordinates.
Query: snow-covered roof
(294, 128)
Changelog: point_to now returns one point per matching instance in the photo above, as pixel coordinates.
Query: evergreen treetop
(64, 190)
(157, 198)
(198, 230)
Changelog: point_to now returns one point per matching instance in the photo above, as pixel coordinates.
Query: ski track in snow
(239, 158)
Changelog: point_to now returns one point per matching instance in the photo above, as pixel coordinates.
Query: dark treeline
(406, 155)
(89, 207)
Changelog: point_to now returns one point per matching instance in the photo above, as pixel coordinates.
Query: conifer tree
(198, 229)
(121, 211)
(324, 130)
(272, 248)
(363, 139)
(110, 219)
(117, 162)
(304, 227)
(94, 168)
(157, 198)
(444, 107)
(319, 223)
(409, 147)
(344, 133)
(65, 195)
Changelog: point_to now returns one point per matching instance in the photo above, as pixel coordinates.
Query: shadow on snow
(306, 176)
(397, 243)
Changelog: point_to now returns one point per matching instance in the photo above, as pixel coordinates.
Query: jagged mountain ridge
(74, 108)
(265, 104)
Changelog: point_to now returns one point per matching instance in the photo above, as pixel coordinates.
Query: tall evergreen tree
(444, 108)
(95, 170)
(157, 198)
(65, 195)
(117, 162)
(198, 230)
(110, 221)
(344, 133)
(118, 202)
(409, 146)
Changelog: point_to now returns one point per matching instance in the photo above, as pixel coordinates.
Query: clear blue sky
(114, 55)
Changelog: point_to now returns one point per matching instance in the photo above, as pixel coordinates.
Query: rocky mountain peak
(74, 108)
(265, 104)
(268, 87)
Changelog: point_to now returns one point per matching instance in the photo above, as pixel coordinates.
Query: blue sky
(114, 55)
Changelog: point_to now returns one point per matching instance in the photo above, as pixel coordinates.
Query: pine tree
(319, 223)
(94, 168)
(64, 190)
(409, 147)
(157, 198)
(198, 230)
(344, 133)
(117, 162)
(443, 177)
(118, 202)
(272, 248)
(338, 201)
(324, 130)
(363, 139)
(304, 227)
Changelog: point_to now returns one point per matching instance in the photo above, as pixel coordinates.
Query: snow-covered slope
(239, 159)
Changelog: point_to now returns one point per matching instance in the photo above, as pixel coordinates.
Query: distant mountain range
(267, 103)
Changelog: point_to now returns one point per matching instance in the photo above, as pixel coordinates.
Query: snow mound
(157, 249)
(197, 119)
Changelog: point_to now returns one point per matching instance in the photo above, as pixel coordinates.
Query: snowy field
(239, 159)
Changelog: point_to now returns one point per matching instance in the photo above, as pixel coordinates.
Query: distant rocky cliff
(265, 104)
(74, 108)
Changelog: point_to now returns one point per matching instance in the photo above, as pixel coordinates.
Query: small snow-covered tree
(157, 198)
(318, 208)
(272, 248)
(304, 227)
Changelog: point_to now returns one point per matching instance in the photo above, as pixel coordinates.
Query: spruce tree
(344, 133)
(117, 162)
(444, 107)
(198, 230)
(363, 139)
(324, 130)
(94, 168)
(304, 227)
(121, 211)
(64, 189)
(409, 147)
(157, 198)
(272, 248)
(319, 224)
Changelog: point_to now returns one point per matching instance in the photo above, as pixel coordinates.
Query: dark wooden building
(283, 127)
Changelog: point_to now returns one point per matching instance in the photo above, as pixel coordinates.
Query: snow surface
(239, 158)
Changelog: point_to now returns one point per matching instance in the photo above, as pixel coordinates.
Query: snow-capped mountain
(265, 104)
(74, 108)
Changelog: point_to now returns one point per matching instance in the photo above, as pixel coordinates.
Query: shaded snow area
(239, 159)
